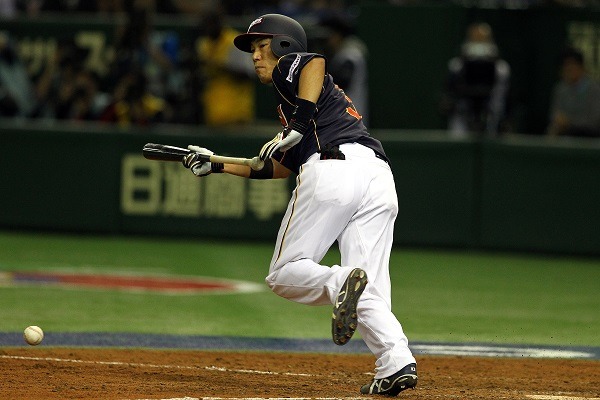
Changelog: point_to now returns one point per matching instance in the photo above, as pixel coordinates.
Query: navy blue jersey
(335, 122)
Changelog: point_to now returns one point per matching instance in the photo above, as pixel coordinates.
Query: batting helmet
(287, 34)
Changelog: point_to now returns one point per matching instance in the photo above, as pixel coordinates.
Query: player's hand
(283, 141)
(266, 152)
(194, 161)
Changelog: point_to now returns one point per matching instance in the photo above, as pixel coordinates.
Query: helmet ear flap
(283, 44)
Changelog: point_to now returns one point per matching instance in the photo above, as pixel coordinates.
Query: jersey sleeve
(288, 71)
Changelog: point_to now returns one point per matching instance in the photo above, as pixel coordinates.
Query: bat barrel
(162, 152)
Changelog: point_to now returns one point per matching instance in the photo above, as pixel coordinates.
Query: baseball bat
(165, 152)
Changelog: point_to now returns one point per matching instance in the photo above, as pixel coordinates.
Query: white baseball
(33, 335)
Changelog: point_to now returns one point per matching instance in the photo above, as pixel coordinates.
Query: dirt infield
(64, 373)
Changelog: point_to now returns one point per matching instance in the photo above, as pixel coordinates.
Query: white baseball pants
(352, 201)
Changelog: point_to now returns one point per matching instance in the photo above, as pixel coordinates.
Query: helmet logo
(256, 21)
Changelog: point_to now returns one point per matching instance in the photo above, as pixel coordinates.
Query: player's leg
(366, 243)
(325, 199)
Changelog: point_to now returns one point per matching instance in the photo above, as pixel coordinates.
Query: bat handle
(206, 157)
(255, 163)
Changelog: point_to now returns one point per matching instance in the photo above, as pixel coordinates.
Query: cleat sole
(345, 316)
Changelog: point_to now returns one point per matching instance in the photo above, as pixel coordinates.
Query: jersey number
(350, 109)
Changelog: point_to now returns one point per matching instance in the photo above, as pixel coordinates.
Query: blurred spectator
(347, 56)
(228, 88)
(477, 86)
(140, 47)
(575, 108)
(110, 6)
(291, 8)
(8, 8)
(323, 8)
(87, 102)
(237, 7)
(497, 4)
(17, 94)
(65, 89)
(133, 104)
(573, 3)
(68, 6)
(304, 9)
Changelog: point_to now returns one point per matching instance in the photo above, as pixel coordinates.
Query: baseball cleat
(345, 316)
(404, 379)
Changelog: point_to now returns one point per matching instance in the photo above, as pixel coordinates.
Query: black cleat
(404, 379)
(345, 317)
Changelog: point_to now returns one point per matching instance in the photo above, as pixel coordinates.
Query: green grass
(437, 295)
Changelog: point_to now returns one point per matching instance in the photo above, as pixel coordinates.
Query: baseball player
(345, 191)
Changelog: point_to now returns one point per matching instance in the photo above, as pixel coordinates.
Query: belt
(332, 153)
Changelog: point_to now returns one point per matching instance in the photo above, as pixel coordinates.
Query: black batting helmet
(287, 34)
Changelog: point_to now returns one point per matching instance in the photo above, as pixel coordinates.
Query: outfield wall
(518, 193)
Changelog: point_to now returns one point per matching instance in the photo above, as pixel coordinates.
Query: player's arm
(311, 80)
(271, 169)
(310, 84)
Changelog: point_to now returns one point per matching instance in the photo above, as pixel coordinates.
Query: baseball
(33, 335)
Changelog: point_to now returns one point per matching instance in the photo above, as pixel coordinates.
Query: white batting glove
(283, 141)
(265, 151)
(194, 162)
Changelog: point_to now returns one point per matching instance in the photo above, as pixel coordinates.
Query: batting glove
(283, 141)
(194, 161)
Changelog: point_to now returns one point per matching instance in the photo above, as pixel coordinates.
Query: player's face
(264, 59)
